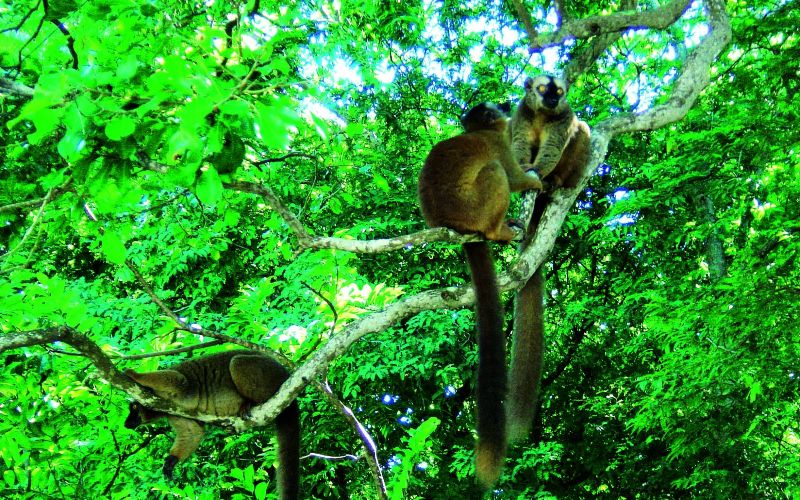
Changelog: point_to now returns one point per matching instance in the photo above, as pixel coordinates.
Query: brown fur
(527, 355)
(465, 184)
(222, 384)
(546, 134)
(466, 181)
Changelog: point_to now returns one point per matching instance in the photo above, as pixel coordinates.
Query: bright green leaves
(209, 186)
(380, 182)
(275, 123)
(754, 386)
(185, 149)
(72, 145)
(128, 68)
(113, 247)
(417, 443)
(41, 300)
(120, 127)
(45, 109)
(252, 481)
(193, 115)
(235, 108)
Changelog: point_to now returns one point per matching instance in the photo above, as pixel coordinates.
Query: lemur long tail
(288, 427)
(491, 447)
(526, 358)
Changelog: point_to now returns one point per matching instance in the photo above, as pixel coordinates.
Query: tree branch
(35, 222)
(693, 78)
(370, 450)
(294, 223)
(527, 21)
(441, 234)
(658, 18)
(11, 87)
(331, 458)
(306, 241)
(584, 59)
(173, 352)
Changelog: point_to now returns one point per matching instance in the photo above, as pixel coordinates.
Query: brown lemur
(465, 185)
(545, 134)
(223, 384)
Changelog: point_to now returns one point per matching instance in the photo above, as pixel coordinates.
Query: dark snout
(551, 102)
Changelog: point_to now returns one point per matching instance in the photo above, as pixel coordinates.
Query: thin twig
(183, 325)
(34, 223)
(527, 21)
(370, 450)
(173, 352)
(331, 458)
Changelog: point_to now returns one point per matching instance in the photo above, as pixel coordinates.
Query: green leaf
(235, 107)
(209, 186)
(113, 247)
(232, 218)
(380, 181)
(755, 390)
(193, 115)
(72, 145)
(354, 130)
(335, 205)
(59, 9)
(120, 127)
(261, 491)
(128, 68)
(185, 146)
(9, 477)
(417, 442)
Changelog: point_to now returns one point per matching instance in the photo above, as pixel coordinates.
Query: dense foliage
(129, 129)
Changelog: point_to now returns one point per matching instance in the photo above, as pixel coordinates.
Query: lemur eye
(560, 91)
(541, 89)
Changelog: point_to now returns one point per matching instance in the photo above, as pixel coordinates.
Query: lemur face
(545, 91)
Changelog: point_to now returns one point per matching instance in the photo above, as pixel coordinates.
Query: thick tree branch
(10, 87)
(581, 61)
(441, 234)
(527, 20)
(658, 18)
(693, 78)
